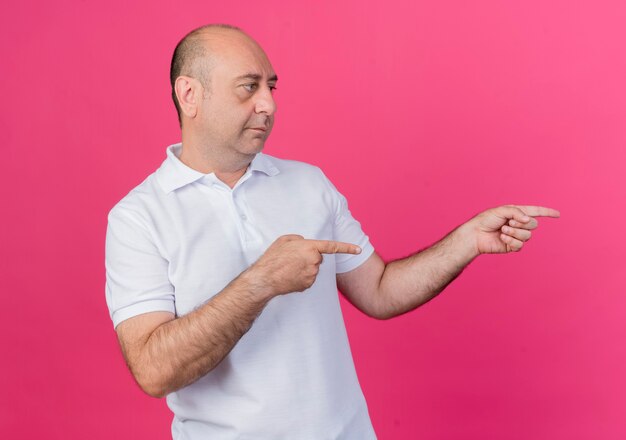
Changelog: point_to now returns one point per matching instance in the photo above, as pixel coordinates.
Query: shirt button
(243, 217)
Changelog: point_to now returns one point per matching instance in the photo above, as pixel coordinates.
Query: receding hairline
(199, 52)
(200, 43)
(217, 29)
(214, 43)
(192, 57)
(209, 37)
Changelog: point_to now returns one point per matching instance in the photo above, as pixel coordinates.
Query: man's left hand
(507, 228)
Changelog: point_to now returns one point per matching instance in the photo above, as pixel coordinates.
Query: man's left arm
(386, 290)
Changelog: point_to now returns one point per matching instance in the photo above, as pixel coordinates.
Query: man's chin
(254, 148)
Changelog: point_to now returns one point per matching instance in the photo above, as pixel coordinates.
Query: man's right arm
(165, 354)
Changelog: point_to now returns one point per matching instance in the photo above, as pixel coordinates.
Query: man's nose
(265, 101)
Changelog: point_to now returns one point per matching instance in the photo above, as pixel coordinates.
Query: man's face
(237, 113)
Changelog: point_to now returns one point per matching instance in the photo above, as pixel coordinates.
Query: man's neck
(228, 169)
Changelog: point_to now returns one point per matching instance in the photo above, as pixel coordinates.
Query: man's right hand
(291, 263)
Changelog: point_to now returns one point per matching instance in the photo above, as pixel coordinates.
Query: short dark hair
(188, 52)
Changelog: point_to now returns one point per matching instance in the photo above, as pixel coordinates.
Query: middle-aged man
(223, 265)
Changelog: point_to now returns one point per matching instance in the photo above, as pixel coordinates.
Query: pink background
(423, 114)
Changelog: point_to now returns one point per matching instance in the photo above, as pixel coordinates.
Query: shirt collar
(173, 174)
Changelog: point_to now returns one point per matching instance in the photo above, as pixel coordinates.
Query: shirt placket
(249, 236)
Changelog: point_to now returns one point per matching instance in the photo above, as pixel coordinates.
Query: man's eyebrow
(256, 77)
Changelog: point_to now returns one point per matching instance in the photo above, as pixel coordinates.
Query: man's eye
(252, 87)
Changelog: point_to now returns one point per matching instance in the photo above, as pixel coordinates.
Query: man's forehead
(238, 55)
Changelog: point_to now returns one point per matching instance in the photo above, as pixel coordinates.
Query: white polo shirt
(181, 236)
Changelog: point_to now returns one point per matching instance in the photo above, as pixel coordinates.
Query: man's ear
(189, 95)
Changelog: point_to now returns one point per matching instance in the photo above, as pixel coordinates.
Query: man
(223, 265)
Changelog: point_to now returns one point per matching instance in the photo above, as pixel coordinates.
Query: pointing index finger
(335, 247)
(539, 211)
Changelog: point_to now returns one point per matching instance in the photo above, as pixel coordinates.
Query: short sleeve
(347, 229)
(136, 274)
